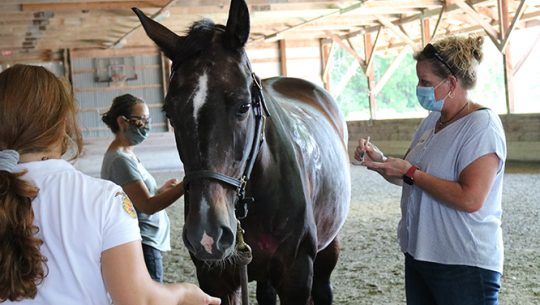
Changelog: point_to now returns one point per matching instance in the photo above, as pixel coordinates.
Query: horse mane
(199, 38)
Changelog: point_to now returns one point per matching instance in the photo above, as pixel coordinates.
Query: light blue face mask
(136, 135)
(426, 98)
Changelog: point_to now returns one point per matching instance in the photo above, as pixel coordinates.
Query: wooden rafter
(477, 17)
(335, 38)
(390, 70)
(371, 52)
(88, 5)
(162, 12)
(101, 24)
(396, 30)
(508, 32)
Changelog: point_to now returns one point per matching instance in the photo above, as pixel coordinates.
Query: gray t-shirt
(432, 231)
(122, 168)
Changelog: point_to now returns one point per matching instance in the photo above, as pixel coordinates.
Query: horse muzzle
(215, 245)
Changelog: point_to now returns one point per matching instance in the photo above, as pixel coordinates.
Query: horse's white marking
(200, 96)
(207, 242)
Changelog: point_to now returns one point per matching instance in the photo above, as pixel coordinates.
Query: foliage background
(397, 99)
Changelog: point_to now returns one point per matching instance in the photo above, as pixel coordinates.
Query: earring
(451, 94)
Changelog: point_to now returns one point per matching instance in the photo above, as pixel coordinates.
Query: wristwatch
(408, 177)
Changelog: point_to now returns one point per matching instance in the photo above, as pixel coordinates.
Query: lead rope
(245, 255)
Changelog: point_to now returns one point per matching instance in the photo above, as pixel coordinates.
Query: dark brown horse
(286, 138)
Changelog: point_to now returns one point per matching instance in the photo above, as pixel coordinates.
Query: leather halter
(261, 112)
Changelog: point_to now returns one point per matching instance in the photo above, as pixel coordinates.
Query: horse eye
(244, 108)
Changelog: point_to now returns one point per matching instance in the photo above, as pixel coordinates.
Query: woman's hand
(168, 185)
(128, 282)
(391, 169)
(193, 295)
(366, 151)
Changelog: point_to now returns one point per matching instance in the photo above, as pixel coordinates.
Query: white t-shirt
(78, 217)
(431, 231)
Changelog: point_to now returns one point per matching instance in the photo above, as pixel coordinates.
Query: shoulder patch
(127, 205)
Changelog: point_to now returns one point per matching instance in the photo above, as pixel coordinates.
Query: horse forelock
(200, 37)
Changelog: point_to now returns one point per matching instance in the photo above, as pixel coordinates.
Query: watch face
(408, 180)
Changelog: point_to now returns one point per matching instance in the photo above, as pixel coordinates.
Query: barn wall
(394, 136)
(302, 60)
(95, 97)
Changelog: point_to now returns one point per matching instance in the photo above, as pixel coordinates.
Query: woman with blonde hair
(65, 237)
(452, 178)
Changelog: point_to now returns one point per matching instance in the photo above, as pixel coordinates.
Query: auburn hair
(37, 110)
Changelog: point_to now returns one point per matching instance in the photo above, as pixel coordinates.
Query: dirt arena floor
(370, 270)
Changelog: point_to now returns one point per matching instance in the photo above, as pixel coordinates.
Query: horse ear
(166, 40)
(237, 30)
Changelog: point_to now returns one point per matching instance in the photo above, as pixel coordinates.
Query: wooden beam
(344, 81)
(508, 31)
(369, 52)
(100, 53)
(109, 88)
(165, 69)
(335, 38)
(282, 57)
(277, 34)
(162, 12)
(91, 6)
(68, 67)
(439, 18)
(327, 54)
(507, 57)
(425, 32)
(477, 17)
(390, 70)
(396, 30)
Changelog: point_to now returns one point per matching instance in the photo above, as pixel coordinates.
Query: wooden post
(326, 61)
(68, 69)
(165, 75)
(368, 49)
(283, 57)
(426, 33)
(507, 57)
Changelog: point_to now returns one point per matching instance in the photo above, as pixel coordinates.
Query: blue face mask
(426, 98)
(136, 135)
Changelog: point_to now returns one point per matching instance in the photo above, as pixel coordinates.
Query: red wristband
(409, 175)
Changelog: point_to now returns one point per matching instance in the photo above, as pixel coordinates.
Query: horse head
(210, 106)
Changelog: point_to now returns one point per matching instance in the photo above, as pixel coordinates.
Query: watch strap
(408, 177)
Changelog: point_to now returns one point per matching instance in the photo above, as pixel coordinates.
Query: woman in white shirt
(66, 238)
(450, 228)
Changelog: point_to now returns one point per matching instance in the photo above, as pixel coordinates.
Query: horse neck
(277, 157)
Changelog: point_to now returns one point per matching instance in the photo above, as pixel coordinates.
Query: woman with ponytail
(129, 121)
(65, 237)
(452, 177)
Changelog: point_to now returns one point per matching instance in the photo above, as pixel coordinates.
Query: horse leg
(294, 286)
(325, 261)
(266, 295)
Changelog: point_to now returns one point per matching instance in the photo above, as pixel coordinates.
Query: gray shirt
(122, 168)
(429, 229)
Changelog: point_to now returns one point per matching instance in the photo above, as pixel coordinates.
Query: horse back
(304, 92)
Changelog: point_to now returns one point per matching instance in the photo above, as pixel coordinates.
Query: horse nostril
(225, 240)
